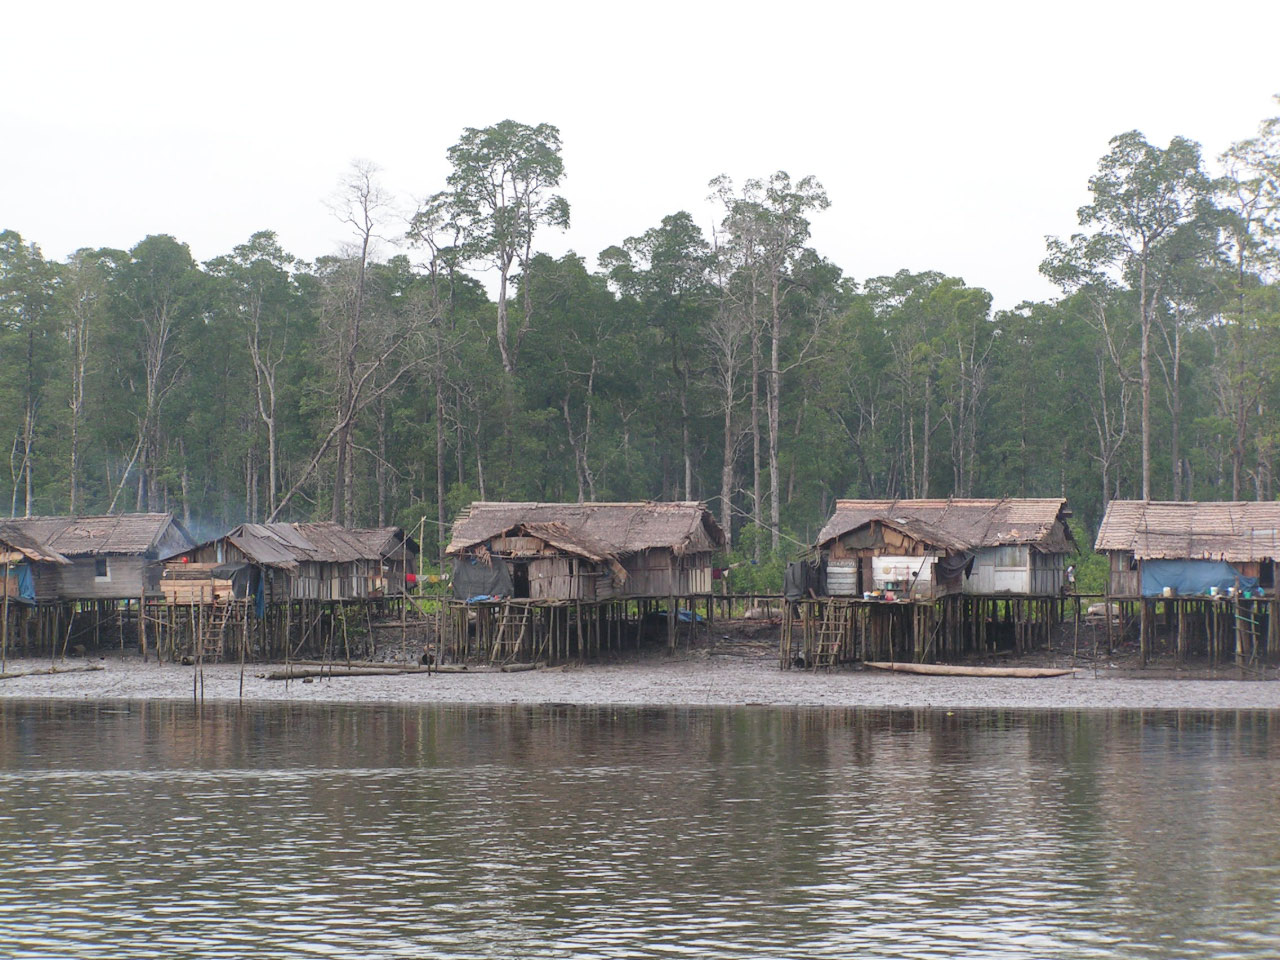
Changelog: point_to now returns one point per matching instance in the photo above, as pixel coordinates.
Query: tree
(574, 362)
(27, 283)
(498, 196)
(433, 229)
(259, 292)
(1250, 197)
(1151, 212)
(368, 351)
(666, 271)
(83, 301)
(159, 295)
(964, 344)
(767, 224)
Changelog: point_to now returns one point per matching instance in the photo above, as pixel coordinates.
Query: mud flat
(696, 681)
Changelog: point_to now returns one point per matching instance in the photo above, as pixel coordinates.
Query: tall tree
(785, 206)
(1249, 193)
(359, 203)
(667, 271)
(27, 284)
(159, 294)
(259, 292)
(83, 300)
(1151, 211)
(499, 195)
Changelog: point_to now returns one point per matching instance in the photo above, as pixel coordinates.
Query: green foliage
(634, 378)
(1091, 568)
(747, 574)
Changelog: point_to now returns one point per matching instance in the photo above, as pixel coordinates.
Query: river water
(153, 830)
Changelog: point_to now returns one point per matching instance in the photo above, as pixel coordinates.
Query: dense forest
(728, 361)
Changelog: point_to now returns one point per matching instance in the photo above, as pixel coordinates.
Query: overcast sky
(950, 136)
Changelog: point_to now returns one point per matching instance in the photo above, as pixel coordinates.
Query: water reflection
(150, 830)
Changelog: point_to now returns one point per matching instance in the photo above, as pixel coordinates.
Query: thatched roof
(595, 530)
(15, 541)
(966, 523)
(285, 545)
(1237, 531)
(125, 534)
(563, 538)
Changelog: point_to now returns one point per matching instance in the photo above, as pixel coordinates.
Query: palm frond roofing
(285, 545)
(594, 530)
(115, 534)
(1239, 531)
(970, 522)
(13, 540)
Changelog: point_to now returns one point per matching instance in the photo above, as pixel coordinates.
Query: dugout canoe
(955, 670)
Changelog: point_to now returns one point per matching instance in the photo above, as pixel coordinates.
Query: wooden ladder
(828, 638)
(513, 626)
(222, 613)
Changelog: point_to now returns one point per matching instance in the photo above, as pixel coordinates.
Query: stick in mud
(93, 668)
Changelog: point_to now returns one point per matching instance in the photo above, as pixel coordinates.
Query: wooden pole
(671, 624)
(4, 623)
(142, 624)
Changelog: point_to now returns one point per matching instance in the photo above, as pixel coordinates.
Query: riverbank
(698, 680)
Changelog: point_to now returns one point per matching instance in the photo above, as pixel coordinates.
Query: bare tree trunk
(726, 470)
(757, 516)
(340, 475)
(440, 520)
(349, 502)
(186, 489)
(774, 411)
(504, 349)
(924, 459)
(1241, 409)
(684, 435)
(1175, 450)
(1145, 376)
(380, 469)
(78, 334)
(248, 487)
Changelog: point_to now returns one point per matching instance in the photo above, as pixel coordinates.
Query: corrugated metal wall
(842, 578)
(1000, 570)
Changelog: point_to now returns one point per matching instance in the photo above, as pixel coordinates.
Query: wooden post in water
(1273, 628)
(1144, 626)
(671, 624)
(1235, 617)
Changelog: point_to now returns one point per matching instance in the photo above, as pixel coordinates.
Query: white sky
(950, 136)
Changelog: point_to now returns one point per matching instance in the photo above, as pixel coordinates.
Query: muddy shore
(696, 680)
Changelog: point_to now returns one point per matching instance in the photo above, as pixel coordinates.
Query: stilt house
(583, 551)
(1189, 548)
(21, 558)
(934, 548)
(277, 562)
(115, 557)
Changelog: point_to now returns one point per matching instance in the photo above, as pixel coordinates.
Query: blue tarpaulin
(26, 583)
(1191, 577)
